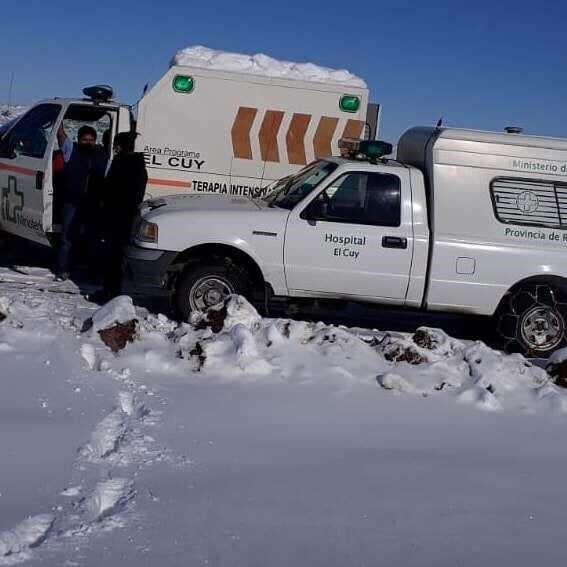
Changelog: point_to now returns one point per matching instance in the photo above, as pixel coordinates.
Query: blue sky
(478, 64)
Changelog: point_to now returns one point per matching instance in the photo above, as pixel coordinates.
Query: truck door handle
(394, 242)
(39, 180)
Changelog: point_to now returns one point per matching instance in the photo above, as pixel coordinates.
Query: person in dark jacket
(124, 191)
(82, 184)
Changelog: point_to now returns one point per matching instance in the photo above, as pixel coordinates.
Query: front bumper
(146, 269)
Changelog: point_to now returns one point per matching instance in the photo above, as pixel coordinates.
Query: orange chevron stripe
(353, 129)
(240, 132)
(268, 135)
(169, 183)
(324, 136)
(295, 138)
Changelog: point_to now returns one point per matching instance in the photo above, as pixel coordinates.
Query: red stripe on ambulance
(17, 169)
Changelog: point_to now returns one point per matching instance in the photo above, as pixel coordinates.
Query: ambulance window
(98, 118)
(361, 198)
(529, 201)
(30, 136)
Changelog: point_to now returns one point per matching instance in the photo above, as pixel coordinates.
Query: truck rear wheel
(202, 286)
(533, 320)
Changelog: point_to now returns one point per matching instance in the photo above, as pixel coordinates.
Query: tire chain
(534, 293)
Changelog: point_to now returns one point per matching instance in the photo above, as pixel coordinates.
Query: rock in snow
(116, 324)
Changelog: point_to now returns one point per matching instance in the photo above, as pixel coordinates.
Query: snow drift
(260, 64)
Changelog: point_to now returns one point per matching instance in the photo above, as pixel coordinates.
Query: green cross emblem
(12, 200)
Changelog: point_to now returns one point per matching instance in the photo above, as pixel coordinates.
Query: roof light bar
(369, 149)
(99, 93)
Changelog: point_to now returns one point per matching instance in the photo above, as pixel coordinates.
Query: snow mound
(235, 310)
(118, 310)
(260, 64)
(430, 362)
(239, 345)
(15, 543)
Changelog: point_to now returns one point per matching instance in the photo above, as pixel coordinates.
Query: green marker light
(349, 103)
(183, 83)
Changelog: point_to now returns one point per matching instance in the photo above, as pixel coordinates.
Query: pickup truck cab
(460, 223)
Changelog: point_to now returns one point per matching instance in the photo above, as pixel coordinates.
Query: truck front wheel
(202, 286)
(532, 320)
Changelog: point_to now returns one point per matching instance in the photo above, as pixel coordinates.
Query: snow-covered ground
(238, 440)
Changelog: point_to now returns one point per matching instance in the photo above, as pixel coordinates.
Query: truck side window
(30, 136)
(529, 202)
(362, 198)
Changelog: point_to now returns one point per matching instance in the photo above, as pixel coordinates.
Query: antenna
(10, 90)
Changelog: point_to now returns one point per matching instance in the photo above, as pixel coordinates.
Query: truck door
(354, 238)
(25, 165)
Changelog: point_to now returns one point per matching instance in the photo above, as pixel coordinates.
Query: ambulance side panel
(235, 133)
(497, 220)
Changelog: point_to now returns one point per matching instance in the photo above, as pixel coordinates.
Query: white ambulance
(214, 123)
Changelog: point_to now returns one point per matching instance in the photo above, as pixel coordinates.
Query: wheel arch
(219, 251)
(552, 280)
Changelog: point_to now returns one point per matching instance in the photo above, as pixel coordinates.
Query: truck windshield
(290, 190)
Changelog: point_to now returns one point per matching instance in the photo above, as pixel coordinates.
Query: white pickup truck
(463, 221)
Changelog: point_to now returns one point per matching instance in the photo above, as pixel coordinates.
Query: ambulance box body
(232, 124)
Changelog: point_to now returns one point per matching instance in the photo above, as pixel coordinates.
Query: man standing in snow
(124, 191)
(83, 178)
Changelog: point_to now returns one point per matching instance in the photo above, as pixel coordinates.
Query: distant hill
(7, 113)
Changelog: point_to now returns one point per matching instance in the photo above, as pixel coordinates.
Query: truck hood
(213, 203)
(188, 220)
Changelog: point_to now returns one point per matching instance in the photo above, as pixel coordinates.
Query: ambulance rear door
(25, 167)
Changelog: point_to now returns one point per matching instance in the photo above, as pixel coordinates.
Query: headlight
(147, 232)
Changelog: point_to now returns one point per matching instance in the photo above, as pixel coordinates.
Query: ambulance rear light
(355, 148)
(147, 232)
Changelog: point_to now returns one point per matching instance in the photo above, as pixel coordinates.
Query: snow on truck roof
(260, 64)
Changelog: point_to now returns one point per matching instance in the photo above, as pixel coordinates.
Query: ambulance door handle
(39, 180)
(394, 242)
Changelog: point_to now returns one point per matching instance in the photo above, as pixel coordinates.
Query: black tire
(532, 320)
(222, 278)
